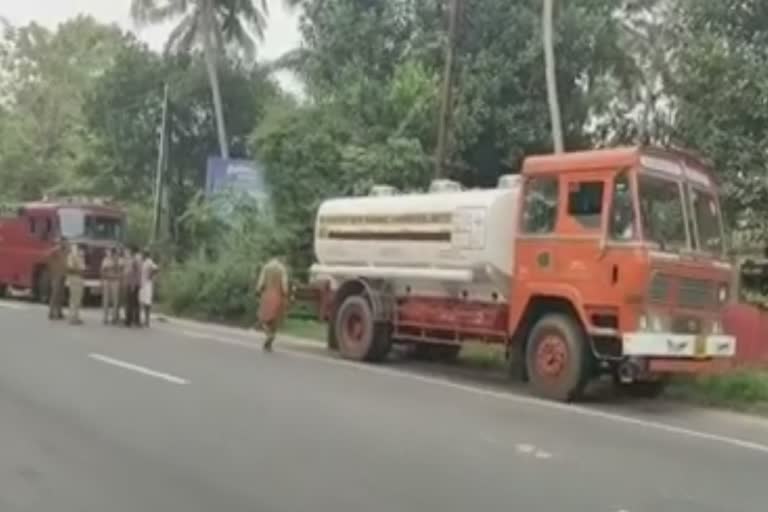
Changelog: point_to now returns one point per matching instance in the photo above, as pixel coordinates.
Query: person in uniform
(272, 286)
(110, 286)
(132, 273)
(124, 264)
(75, 271)
(57, 268)
(146, 291)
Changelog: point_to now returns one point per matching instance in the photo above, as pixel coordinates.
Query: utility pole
(549, 65)
(447, 94)
(161, 160)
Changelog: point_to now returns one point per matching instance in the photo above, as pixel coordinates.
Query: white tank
(443, 236)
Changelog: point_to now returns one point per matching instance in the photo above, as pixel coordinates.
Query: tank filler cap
(439, 186)
(509, 181)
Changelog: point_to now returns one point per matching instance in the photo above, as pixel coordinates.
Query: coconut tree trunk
(210, 52)
(549, 63)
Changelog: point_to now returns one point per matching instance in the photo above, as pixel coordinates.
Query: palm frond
(151, 12)
(292, 60)
(183, 37)
(238, 35)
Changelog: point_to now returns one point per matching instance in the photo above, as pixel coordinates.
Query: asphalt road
(184, 417)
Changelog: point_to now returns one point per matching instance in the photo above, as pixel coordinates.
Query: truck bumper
(668, 345)
(679, 353)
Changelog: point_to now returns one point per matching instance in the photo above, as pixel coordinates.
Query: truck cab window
(585, 203)
(540, 206)
(622, 222)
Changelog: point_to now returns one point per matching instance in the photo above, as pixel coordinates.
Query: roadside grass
(307, 328)
(745, 390)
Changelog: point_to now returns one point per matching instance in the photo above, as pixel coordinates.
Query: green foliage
(217, 280)
(745, 388)
(721, 88)
(42, 83)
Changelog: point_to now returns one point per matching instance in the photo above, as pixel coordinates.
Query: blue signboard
(236, 176)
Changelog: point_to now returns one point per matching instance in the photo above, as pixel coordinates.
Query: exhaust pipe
(628, 372)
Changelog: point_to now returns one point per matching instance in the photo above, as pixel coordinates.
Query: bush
(217, 282)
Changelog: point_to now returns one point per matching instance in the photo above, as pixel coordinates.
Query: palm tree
(549, 63)
(210, 25)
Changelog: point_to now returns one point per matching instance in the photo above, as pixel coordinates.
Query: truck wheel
(42, 286)
(359, 336)
(557, 358)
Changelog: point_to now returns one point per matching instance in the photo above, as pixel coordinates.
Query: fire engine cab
(30, 231)
(587, 263)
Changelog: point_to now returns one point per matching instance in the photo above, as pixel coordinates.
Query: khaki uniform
(272, 286)
(110, 288)
(75, 271)
(57, 270)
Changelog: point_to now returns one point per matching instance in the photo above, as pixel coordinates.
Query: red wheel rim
(552, 356)
(354, 327)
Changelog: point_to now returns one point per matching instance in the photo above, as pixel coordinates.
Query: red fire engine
(30, 231)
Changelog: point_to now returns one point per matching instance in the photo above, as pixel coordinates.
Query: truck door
(581, 229)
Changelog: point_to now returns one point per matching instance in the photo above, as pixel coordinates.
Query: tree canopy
(80, 105)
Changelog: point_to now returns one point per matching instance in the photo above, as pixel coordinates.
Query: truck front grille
(696, 293)
(658, 291)
(687, 325)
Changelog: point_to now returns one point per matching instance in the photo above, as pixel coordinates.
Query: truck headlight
(650, 322)
(656, 324)
(722, 294)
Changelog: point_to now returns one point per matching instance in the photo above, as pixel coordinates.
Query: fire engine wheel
(557, 358)
(359, 336)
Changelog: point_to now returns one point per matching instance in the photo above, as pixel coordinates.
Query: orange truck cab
(588, 263)
(30, 231)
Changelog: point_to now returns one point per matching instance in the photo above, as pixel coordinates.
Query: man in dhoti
(75, 284)
(272, 286)
(146, 290)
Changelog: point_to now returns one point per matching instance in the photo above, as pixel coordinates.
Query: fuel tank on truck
(444, 235)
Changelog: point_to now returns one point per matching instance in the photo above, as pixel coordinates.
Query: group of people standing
(127, 284)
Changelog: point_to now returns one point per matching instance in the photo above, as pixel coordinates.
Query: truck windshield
(705, 209)
(78, 223)
(661, 210)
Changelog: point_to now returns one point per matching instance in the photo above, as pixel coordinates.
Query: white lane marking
(541, 454)
(226, 341)
(12, 305)
(511, 397)
(140, 369)
(525, 448)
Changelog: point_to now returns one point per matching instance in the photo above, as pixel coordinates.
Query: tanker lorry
(586, 263)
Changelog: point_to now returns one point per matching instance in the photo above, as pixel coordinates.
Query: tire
(641, 389)
(359, 336)
(41, 290)
(558, 360)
